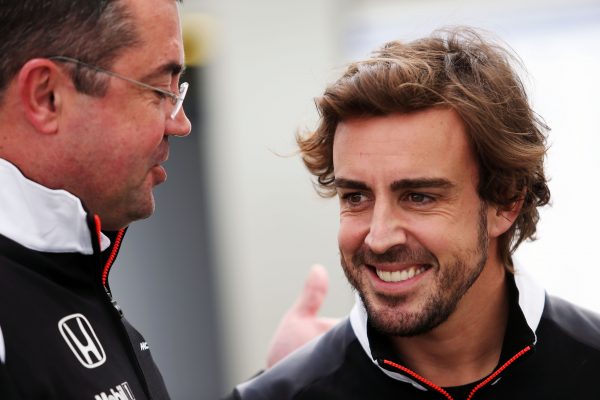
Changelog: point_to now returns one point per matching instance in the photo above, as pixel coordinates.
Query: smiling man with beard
(437, 160)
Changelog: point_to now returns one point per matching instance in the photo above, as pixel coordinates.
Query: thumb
(313, 293)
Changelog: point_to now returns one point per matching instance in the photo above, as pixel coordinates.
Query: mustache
(401, 254)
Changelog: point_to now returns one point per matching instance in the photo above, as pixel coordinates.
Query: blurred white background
(265, 61)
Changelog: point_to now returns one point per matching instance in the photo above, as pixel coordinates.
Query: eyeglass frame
(176, 99)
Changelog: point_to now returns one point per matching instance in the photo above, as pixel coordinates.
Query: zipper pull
(114, 302)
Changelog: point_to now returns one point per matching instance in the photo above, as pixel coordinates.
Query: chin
(144, 209)
(395, 316)
(146, 212)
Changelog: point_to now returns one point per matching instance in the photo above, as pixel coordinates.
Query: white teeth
(399, 276)
(384, 275)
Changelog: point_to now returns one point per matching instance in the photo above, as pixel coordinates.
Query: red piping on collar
(98, 226)
(113, 255)
(481, 384)
(419, 378)
(498, 371)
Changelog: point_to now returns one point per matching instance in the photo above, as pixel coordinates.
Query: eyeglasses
(176, 99)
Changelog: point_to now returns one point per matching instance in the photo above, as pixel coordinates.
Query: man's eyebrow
(349, 184)
(170, 69)
(401, 184)
(438, 183)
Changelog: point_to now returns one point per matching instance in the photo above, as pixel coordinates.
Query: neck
(466, 347)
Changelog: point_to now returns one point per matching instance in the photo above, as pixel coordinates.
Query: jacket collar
(43, 219)
(528, 297)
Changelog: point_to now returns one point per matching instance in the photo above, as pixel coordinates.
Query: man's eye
(419, 198)
(353, 199)
(160, 94)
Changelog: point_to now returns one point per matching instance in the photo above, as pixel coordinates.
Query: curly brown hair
(453, 68)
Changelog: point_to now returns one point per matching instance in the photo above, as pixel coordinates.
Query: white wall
(565, 65)
(271, 58)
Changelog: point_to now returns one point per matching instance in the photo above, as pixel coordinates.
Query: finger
(325, 324)
(313, 293)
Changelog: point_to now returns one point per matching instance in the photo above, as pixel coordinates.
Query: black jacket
(64, 337)
(551, 350)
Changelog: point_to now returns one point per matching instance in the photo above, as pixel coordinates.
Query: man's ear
(38, 81)
(501, 218)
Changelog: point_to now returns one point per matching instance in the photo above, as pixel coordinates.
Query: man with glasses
(90, 94)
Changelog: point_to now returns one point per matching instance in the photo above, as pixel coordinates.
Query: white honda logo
(82, 340)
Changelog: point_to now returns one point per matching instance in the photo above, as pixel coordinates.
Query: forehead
(159, 30)
(425, 144)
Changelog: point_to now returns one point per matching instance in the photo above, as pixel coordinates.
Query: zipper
(494, 375)
(112, 257)
(107, 266)
(109, 262)
(114, 303)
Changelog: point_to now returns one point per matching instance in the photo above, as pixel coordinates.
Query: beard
(451, 283)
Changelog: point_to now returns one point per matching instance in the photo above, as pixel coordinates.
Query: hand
(301, 323)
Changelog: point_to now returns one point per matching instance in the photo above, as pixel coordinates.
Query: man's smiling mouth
(400, 276)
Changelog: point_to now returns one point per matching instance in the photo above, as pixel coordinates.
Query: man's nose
(179, 126)
(386, 229)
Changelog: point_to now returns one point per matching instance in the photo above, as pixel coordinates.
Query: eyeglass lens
(179, 102)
